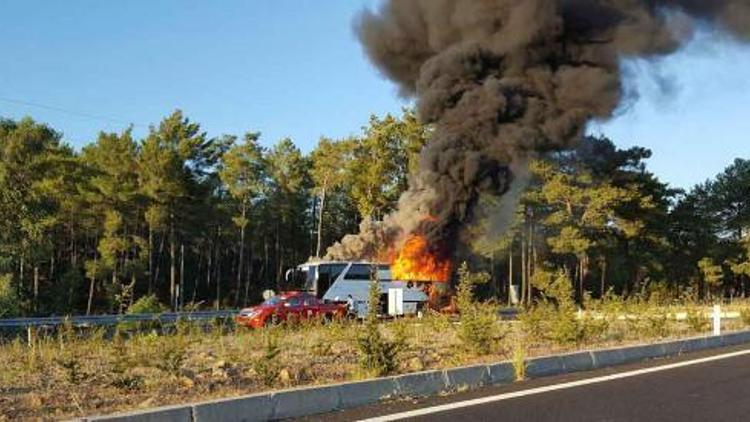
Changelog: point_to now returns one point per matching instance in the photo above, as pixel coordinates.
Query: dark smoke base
(503, 81)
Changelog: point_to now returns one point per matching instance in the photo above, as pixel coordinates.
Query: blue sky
(293, 68)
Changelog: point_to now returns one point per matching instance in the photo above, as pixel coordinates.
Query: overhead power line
(70, 112)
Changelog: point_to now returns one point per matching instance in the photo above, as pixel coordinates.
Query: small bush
(9, 298)
(566, 329)
(536, 318)
(267, 366)
(518, 360)
(171, 357)
(437, 322)
(656, 324)
(555, 317)
(145, 305)
(479, 328)
(73, 369)
(378, 356)
(697, 321)
(745, 315)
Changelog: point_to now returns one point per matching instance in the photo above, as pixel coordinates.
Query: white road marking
(541, 390)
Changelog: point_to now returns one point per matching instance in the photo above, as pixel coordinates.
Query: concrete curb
(322, 399)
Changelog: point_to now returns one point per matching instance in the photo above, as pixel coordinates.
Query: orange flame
(415, 262)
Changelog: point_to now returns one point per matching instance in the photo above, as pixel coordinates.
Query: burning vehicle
(348, 283)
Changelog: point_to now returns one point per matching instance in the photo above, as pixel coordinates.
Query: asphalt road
(718, 390)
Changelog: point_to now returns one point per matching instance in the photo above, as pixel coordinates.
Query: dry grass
(68, 375)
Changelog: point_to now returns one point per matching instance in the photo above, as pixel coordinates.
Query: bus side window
(336, 270)
(359, 272)
(327, 274)
(324, 280)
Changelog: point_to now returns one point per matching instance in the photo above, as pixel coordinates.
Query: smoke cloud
(503, 81)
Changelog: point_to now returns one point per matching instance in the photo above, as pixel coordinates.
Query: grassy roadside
(66, 376)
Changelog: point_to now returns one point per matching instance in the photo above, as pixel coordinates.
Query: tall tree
(289, 181)
(382, 162)
(329, 163)
(175, 160)
(33, 162)
(243, 171)
(115, 199)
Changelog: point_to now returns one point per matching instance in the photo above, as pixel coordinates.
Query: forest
(211, 222)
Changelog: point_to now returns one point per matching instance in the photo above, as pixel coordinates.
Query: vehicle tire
(271, 320)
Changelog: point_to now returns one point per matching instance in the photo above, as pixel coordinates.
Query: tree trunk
(209, 265)
(36, 287)
(240, 258)
(91, 289)
(150, 260)
(248, 273)
(132, 288)
(91, 296)
(157, 260)
(182, 276)
(604, 275)
(52, 266)
(277, 276)
(523, 272)
(510, 274)
(196, 278)
(114, 274)
(218, 280)
(320, 219)
(172, 265)
(21, 266)
(496, 284)
(530, 260)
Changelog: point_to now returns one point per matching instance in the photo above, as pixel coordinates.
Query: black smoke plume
(505, 80)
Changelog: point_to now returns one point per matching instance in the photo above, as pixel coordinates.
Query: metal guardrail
(98, 320)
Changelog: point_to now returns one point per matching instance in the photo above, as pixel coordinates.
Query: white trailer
(349, 282)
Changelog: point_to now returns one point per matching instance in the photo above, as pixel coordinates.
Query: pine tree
(243, 172)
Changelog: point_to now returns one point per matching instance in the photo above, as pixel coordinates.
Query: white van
(349, 282)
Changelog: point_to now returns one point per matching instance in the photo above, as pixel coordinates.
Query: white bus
(349, 282)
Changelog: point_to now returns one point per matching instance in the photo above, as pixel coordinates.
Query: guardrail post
(30, 335)
(717, 320)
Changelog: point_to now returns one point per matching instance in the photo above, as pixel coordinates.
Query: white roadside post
(396, 302)
(717, 320)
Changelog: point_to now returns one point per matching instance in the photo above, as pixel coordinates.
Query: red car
(289, 306)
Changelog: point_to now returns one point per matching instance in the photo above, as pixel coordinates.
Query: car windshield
(273, 301)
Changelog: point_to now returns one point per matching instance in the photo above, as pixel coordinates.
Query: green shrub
(745, 315)
(697, 321)
(437, 322)
(535, 319)
(267, 366)
(145, 305)
(378, 356)
(171, 356)
(656, 324)
(566, 328)
(72, 368)
(518, 360)
(560, 312)
(479, 330)
(9, 299)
